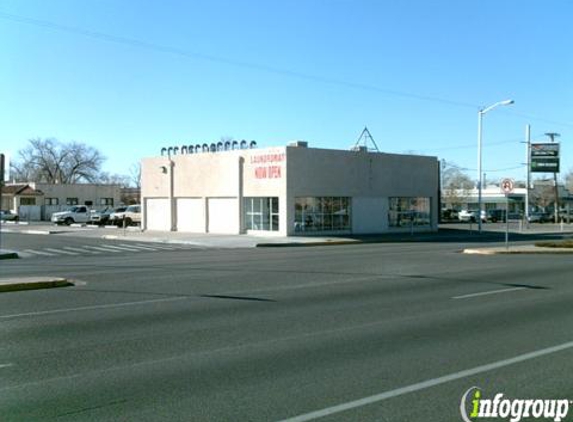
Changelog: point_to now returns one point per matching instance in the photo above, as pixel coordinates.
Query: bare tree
(543, 194)
(114, 179)
(51, 161)
(569, 180)
(456, 186)
(135, 175)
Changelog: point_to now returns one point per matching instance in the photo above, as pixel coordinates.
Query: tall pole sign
(507, 188)
(545, 158)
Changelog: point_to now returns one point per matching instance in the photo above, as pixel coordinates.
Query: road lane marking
(89, 308)
(34, 252)
(60, 251)
(6, 365)
(489, 292)
(426, 384)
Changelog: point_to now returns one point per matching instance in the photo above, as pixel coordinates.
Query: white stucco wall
(369, 215)
(369, 178)
(212, 177)
(206, 191)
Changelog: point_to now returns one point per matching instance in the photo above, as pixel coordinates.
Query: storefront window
(409, 211)
(261, 213)
(326, 213)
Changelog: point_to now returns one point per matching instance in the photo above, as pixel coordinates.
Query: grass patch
(556, 244)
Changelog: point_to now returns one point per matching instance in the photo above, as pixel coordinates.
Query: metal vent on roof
(299, 144)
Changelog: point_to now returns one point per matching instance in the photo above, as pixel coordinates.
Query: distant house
(37, 201)
(17, 194)
(92, 195)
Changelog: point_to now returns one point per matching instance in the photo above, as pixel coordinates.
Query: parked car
(496, 215)
(7, 215)
(116, 217)
(565, 216)
(76, 214)
(540, 217)
(449, 215)
(102, 217)
(132, 215)
(471, 216)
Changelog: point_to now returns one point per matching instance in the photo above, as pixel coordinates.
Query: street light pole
(481, 112)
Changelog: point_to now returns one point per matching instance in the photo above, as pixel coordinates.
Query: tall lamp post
(481, 112)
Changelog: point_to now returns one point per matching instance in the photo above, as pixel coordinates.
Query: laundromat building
(292, 190)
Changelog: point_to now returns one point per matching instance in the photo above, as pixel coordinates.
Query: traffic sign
(507, 186)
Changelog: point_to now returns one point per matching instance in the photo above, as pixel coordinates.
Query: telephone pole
(1, 186)
(552, 136)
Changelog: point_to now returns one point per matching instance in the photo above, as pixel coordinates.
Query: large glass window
(409, 211)
(325, 213)
(261, 213)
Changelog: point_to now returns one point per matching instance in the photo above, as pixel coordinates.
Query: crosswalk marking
(97, 248)
(140, 247)
(101, 248)
(38, 252)
(82, 250)
(61, 251)
(121, 248)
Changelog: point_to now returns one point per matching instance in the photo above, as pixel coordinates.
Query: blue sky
(131, 76)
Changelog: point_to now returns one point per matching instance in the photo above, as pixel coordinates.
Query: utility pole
(1, 187)
(528, 178)
(552, 136)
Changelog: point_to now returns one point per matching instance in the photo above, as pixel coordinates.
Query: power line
(538, 118)
(200, 56)
(255, 66)
(486, 170)
(473, 145)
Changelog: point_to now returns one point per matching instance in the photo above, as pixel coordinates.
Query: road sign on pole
(506, 186)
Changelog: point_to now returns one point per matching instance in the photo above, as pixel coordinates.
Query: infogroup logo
(513, 410)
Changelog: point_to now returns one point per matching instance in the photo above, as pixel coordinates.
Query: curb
(45, 232)
(21, 284)
(309, 244)
(150, 240)
(536, 251)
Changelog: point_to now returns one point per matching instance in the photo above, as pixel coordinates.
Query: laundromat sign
(268, 166)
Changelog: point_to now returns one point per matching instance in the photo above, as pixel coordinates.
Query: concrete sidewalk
(15, 284)
(224, 241)
(520, 249)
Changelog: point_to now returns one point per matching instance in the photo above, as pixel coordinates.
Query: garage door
(190, 215)
(157, 214)
(223, 215)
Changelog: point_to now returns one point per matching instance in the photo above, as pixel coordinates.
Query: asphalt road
(373, 332)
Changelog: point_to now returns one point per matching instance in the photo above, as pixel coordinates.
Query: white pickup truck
(77, 214)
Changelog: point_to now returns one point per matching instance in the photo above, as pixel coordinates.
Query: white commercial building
(293, 190)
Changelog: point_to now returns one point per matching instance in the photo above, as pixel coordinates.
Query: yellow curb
(32, 284)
